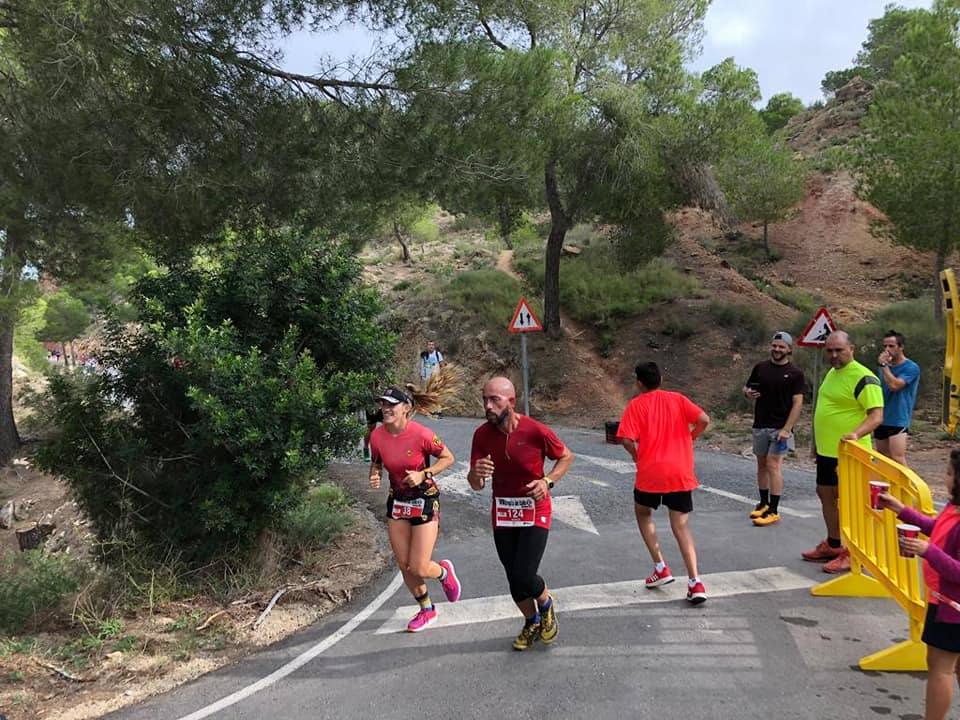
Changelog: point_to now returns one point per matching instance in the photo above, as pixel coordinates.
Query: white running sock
(660, 566)
(693, 581)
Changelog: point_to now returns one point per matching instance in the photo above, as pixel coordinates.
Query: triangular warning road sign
(524, 320)
(815, 334)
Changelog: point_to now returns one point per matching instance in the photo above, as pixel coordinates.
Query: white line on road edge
(617, 594)
(302, 659)
(620, 466)
(753, 501)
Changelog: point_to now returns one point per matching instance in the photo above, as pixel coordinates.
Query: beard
(778, 356)
(498, 419)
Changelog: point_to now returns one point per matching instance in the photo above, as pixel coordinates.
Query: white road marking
(455, 480)
(622, 467)
(617, 594)
(570, 510)
(753, 501)
(301, 659)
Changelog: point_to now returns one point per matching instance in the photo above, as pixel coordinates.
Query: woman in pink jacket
(941, 571)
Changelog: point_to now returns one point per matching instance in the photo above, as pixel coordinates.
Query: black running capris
(520, 551)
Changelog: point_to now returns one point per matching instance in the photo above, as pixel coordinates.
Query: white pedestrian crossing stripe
(616, 594)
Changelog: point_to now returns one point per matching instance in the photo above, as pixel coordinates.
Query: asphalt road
(761, 645)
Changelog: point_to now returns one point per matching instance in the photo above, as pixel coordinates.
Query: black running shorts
(429, 513)
(681, 502)
(884, 432)
(827, 471)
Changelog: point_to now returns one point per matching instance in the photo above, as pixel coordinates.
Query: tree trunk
(403, 243)
(12, 266)
(559, 224)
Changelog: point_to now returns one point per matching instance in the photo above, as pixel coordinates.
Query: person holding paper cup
(941, 572)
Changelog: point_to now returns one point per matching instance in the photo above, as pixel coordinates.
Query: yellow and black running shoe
(527, 637)
(759, 510)
(548, 623)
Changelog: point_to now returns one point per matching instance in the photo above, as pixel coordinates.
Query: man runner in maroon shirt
(510, 448)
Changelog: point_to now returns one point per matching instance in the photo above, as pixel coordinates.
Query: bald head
(838, 349)
(500, 386)
(839, 336)
(499, 399)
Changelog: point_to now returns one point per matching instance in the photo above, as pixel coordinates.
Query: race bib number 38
(407, 509)
(514, 512)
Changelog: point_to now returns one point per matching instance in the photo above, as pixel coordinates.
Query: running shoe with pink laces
(659, 577)
(422, 620)
(450, 584)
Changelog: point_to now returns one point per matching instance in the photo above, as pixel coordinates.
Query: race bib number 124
(514, 512)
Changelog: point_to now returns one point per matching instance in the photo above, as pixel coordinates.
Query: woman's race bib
(407, 509)
(514, 512)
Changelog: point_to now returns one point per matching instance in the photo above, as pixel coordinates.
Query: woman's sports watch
(427, 475)
(550, 483)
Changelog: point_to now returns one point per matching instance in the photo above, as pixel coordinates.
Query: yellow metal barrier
(951, 360)
(871, 537)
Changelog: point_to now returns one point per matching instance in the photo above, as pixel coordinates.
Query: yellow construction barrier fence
(871, 537)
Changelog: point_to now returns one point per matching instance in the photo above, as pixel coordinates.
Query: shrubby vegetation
(238, 388)
(595, 287)
(33, 583)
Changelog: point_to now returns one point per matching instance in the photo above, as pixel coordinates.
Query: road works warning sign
(524, 320)
(815, 334)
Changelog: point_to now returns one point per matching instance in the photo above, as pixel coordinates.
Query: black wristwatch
(427, 475)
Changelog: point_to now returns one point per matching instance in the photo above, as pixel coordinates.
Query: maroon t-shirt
(518, 460)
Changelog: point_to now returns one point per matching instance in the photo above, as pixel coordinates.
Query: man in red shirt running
(510, 448)
(657, 430)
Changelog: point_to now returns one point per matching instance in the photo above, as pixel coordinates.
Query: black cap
(395, 396)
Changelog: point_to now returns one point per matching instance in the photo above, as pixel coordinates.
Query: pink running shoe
(422, 620)
(451, 584)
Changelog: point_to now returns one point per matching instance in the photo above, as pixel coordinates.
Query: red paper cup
(877, 487)
(906, 530)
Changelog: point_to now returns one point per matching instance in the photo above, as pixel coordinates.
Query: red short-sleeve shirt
(409, 450)
(659, 422)
(518, 460)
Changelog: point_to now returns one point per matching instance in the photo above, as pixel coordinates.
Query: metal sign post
(523, 322)
(815, 336)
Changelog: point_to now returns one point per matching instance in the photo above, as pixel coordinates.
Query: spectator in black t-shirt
(777, 387)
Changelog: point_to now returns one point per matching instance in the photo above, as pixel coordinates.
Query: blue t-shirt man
(898, 404)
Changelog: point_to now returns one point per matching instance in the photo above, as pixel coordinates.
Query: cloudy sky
(790, 43)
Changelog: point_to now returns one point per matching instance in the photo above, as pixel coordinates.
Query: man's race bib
(407, 509)
(514, 512)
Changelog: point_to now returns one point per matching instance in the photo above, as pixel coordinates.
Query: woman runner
(405, 448)
(941, 571)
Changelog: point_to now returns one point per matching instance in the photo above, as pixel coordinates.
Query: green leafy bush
(33, 583)
(317, 521)
(487, 294)
(747, 323)
(595, 289)
(242, 382)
